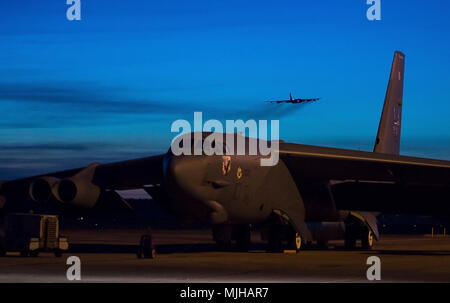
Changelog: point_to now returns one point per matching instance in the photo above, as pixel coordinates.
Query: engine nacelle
(79, 189)
(41, 189)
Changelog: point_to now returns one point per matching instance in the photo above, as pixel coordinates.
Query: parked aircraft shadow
(409, 252)
(103, 248)
(254, 248)
(180, 248)
(382, 251)
(160, 249)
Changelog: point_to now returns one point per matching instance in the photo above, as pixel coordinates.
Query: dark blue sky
(108, 87)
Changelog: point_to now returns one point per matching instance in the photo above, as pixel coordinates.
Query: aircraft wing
(279, 101)
(372, 181)
(89, 181)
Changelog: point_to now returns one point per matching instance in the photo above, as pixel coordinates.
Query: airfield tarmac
(190, 256)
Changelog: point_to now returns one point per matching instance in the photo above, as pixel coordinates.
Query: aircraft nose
(186, 173)
(187, 184)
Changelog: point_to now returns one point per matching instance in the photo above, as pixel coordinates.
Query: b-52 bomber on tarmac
(312, 194)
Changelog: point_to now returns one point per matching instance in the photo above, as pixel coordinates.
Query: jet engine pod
(79, 189)
(41, 188)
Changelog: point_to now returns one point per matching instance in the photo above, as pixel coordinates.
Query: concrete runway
(190, 256)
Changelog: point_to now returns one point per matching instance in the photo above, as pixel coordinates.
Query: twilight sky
(108, 87)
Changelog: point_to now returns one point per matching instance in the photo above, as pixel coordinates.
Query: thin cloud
(88, 97)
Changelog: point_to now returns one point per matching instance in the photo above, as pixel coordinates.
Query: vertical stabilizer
(388, 136)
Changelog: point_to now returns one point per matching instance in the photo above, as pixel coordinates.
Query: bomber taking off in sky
(311, 194)
(295, 101)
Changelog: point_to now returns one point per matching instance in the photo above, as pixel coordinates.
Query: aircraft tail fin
(388, 136)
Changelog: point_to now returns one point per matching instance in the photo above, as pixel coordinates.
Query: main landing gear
(354, 232)
(282, 236)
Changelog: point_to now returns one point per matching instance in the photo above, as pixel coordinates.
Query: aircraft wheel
(367, 239)
(322, 244)
(295, 242)
(350, 240)
(243, 235)
(275, 243)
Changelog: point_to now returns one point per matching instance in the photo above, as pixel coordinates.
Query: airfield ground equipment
(31, 234)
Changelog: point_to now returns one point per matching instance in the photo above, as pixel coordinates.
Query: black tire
(367, 239)
(34, 253)
(243, 235)
(275, 243)
(350, 240)
(24, 253)
(351, 235)
(322, 244)
(295, 242)
(58, 253)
